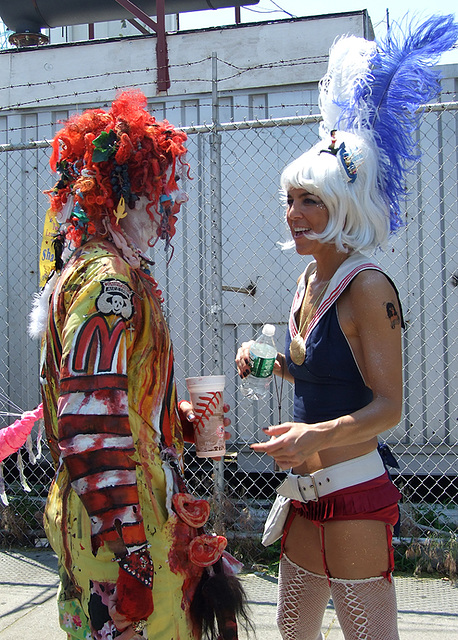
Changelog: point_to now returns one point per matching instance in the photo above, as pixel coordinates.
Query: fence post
(216, 284)
(445, 285)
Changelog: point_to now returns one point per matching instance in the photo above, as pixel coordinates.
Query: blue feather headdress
(375, 90)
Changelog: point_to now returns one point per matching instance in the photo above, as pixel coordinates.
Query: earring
(164, 229)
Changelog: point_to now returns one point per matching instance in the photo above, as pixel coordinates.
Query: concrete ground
(428, 608)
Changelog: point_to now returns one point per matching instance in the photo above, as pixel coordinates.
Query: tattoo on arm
(392, 314)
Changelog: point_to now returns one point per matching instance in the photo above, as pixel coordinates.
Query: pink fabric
(13, 437)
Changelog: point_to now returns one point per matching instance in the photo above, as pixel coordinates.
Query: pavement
(428, 608)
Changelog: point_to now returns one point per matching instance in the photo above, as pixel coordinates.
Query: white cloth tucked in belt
(339, 476)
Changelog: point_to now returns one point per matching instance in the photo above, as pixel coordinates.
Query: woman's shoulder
(368, 302)
(372, 281)
(372, 292)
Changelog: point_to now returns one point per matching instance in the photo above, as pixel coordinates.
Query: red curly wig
(147, 151)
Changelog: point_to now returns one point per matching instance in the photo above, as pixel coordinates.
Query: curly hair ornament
(107, 161)
(376, 89)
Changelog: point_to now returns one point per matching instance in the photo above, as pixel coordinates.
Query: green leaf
(105, 146)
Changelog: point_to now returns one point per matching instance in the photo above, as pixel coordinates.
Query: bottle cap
(268, 330)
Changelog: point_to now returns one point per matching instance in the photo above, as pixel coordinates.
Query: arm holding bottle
(243, 363)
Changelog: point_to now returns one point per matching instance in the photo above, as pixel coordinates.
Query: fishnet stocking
(366, 609)
(302, 600)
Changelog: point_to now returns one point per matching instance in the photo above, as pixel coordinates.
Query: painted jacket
(112, 425)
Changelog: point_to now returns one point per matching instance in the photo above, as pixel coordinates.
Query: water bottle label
(262, 367)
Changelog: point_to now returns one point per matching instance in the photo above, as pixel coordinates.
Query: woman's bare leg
(356, 549)
(303, 545)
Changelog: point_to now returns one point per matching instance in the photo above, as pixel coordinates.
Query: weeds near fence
(21, 521)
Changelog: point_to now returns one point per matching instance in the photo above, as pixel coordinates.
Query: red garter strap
(389, 538)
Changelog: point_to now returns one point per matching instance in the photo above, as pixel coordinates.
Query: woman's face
(305, 214)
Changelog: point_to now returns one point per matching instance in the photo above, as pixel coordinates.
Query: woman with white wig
(337, 507)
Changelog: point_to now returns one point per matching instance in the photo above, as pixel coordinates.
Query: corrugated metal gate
(228, 276)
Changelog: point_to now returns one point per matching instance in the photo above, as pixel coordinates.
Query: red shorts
(373, 500)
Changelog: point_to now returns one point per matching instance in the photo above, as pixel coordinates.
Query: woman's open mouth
(299, 231)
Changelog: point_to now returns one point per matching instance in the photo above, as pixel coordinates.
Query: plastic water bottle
(262, 359)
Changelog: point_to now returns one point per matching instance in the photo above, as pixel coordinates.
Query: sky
(279, 9)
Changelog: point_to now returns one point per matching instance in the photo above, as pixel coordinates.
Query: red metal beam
(139, 26)
(163, 78)
(137, 12)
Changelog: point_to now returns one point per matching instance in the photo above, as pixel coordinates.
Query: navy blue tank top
(329, 383)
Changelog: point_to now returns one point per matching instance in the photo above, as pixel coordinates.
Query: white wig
(342, 171)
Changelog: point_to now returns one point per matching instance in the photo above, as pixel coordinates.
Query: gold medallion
(297, 349)
(297, 346)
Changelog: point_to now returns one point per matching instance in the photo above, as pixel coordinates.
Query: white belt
(339, 476)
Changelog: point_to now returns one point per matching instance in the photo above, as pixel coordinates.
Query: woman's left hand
(290, 443)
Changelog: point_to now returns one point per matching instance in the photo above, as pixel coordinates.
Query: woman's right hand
(242, 359)
(291, 443)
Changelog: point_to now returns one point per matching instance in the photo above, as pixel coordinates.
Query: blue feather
(402, 81)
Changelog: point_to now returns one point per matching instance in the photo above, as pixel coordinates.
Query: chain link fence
(228, 277)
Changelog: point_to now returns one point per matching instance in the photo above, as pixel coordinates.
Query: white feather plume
(350, 60)
(40, 305)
